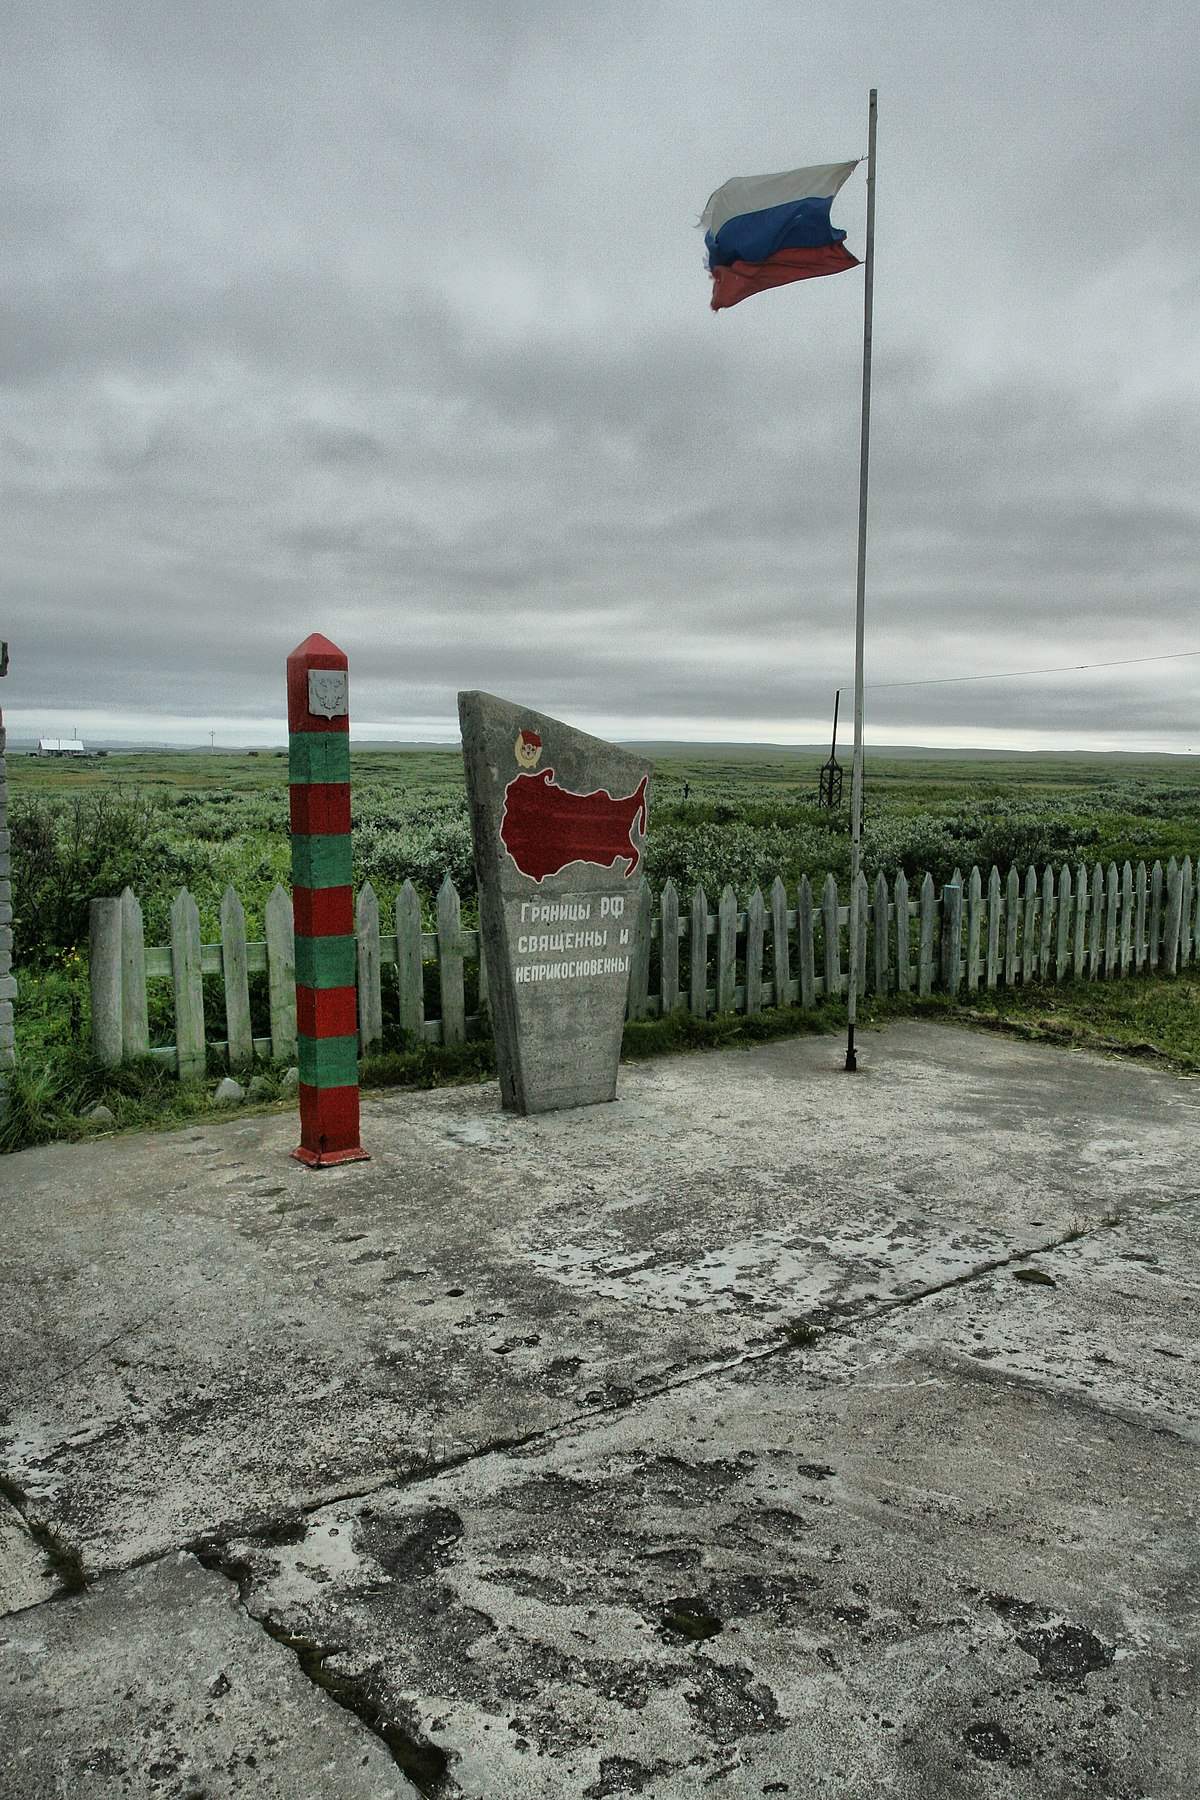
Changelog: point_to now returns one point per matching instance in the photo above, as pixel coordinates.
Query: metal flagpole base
(851, 1057)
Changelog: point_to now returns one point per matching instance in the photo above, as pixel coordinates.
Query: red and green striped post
(323, 903)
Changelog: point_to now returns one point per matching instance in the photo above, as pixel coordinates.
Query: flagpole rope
(1119, 662)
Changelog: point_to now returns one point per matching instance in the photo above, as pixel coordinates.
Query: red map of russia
(545, 827)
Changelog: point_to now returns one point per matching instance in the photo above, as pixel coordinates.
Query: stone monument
(558, 820)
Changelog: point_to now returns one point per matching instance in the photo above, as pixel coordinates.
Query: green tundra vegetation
(157, 821)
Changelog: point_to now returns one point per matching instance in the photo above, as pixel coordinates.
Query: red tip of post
(316, 649)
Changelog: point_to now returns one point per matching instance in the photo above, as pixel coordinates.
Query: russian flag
(763, 231)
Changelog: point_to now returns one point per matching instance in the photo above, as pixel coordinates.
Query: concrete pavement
(768, 1431)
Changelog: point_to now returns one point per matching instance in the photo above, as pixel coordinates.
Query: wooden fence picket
(370, 984)
(1125, 952)
(928, 923)
(1141, 889)
(450, 964)
(698, 956)
(1185, 912)
(189, 987)
(1112, 899)
(1154, 948)
(1171, 918)
(1029, 929)
(239, 1040)
(903, 935)
(1062, 935)
(281, 974)
(727, 921)
(1096, 922)
(992, 975)
(1046, 925)
(831, 937)
(863, 905)
(974, 927)
(781, 961)
(638, 1001)
(879, 916)
(135, 1017)
(668, 949)
(805, 948)
(952, 913)
(1012, 920)
(410, 965)
(756, 920)
(1081, 919)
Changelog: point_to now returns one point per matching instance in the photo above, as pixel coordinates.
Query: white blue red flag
(763, 231)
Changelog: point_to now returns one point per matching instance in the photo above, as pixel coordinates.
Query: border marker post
(323, 903)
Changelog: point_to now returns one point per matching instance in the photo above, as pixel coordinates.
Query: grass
(1154, 1020)
(203, 819)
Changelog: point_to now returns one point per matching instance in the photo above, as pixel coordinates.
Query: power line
(1123, 662)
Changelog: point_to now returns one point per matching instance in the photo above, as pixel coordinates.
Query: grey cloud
(391, 323)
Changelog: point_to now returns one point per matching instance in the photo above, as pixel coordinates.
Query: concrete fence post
(104, 975)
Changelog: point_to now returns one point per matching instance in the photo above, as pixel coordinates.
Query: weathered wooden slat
(928, 917)
(698, 956)
(1062, 935)
(805, 946)
(238, 1036)
(370, 980)
(638, 997)
(756, 921)
(780, 959)
(1185, 912)
(104, 979)
(863, 908)
(1126, 952)
(1096, 923)
(450, 964)
(992, 974)
(668, 952)
(831, 937)
(281, 974)
(1140, 911)
(1029, 928)
(903, 937)
(1046, 927)
(727, 914)
(1112, 901)
(189, 988)
(477, 950)
(1012, 922)
(974, 927)
(1080, 959)
(1154, 947)
(1169, 963)
(135, 1017)
(952, 917)
(880, 946)
(410, 971)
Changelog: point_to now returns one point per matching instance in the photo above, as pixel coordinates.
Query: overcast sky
(391, 321)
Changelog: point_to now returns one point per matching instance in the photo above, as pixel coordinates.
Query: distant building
(62, 747)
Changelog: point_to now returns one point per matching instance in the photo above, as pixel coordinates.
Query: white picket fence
(784, 949)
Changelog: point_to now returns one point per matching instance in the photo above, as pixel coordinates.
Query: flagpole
(856, 794)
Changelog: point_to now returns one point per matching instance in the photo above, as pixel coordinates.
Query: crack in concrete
(418, 1760)
(421, 1762)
